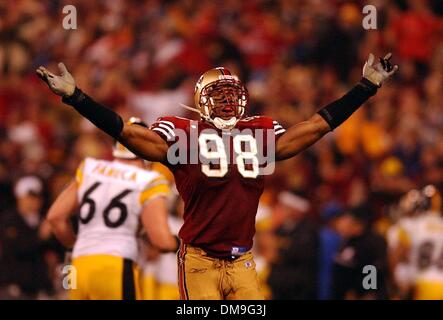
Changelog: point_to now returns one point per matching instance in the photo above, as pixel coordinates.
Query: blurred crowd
(143, 58)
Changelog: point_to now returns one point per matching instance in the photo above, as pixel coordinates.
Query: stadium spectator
(361, 247)
(329, 243)
(24, 273)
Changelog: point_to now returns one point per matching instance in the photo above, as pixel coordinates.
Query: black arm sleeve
(338, 111)
(102, 117)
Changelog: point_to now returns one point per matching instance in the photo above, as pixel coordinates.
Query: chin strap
(217, 122)
(225, 124)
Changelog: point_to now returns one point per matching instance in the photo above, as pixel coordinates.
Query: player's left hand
(378, 73)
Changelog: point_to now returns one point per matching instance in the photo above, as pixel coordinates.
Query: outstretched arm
(301, 136)
(142, 141)
(304, 134)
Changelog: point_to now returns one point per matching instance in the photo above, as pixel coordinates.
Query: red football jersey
(220, 176)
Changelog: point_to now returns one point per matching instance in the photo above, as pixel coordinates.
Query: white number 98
(221, 156)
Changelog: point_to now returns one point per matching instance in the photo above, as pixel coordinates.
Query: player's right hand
(378, 73)
(63, 85)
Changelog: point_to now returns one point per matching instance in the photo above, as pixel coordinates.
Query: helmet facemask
(223, 102)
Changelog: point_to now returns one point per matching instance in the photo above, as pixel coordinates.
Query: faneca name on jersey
(251, 150)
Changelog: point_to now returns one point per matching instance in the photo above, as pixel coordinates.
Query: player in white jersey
(113, 199)
(403, 217)
(422, 244)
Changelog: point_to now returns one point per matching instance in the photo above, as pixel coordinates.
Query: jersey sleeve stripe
(79, 173)
(278, 128)
(169, 123)
(168, 128)
(149, 194)
(403, 237)
(162, 131)
(156, 181)
(280, 131)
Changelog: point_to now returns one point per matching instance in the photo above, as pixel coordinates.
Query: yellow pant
(149, 287)
(152, 290)
(105, 277)
(427, 290)
(202, 277)
(167, 291)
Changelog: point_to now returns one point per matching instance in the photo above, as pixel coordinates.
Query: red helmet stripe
(224, 71)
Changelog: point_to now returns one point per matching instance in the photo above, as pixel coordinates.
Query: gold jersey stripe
(156, 181)
(164, 171)
(403, 237)
(79, 173)
(160, 189)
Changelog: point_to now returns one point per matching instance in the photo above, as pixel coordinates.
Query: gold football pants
(202, 277)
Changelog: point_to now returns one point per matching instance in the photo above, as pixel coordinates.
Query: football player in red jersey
(218, 167)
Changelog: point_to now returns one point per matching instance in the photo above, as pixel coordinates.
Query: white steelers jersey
(111, 196)
(425, 237)
(398, 234)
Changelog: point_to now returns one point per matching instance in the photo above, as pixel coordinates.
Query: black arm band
(102, 117)
(338, 111)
